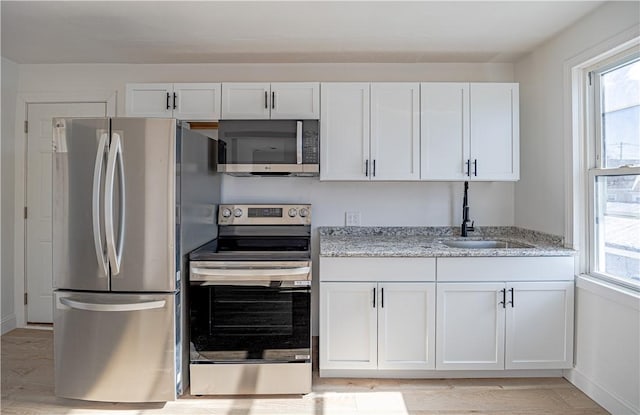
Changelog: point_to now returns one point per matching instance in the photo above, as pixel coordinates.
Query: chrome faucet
(465, 213)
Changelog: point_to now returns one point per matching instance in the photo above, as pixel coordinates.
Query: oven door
(257, 312)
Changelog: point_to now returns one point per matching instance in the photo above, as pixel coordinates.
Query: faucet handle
(471, 228)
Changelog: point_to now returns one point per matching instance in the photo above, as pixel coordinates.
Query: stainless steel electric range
(250, 303)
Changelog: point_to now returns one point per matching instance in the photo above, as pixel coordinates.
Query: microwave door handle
(298, 142)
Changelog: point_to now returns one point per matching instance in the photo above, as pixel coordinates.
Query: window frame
(594, 162)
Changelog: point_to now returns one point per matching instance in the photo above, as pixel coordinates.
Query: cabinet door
(245, 101)
(406, 326)
(470, 326)
(199, 101)
(295, 100)
(395, 131)
(539, 329)
(444, 134)
(344, 131)
(149, 100)
(495, 131)
(348, 325)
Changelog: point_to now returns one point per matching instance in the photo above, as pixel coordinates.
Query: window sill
(616, 293)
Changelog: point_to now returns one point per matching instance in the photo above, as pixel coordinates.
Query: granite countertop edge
(424, 242)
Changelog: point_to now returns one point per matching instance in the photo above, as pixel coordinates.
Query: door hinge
(25, 212)
(26, 126)
(26, 298)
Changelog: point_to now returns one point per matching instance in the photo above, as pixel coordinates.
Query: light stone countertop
(425, 242)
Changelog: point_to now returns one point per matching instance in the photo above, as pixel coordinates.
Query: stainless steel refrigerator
(131, 197)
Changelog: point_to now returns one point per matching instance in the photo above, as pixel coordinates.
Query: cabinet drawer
(505, 269)
(377, 269)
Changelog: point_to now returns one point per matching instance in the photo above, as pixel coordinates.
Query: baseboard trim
(8, 323)
(600, 394)
(439, 374)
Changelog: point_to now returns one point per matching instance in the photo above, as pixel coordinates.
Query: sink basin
(486, 244)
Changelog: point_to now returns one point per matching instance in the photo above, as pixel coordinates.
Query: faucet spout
(465, 228)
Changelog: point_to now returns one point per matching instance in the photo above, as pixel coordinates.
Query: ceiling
(280, 32)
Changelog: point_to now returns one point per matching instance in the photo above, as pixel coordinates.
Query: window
(614, 170)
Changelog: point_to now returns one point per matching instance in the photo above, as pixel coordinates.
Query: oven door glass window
(240, 323)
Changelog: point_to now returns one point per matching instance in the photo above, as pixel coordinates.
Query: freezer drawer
(116, 347)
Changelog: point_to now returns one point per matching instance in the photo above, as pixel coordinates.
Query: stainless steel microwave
(269, 147)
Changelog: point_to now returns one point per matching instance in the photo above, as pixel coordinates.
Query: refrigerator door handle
(81, 305)
(115, 155)
(95, 204)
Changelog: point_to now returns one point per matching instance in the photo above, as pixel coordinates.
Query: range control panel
(284, 214)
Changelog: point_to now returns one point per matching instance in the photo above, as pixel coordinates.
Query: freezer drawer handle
(80, 305)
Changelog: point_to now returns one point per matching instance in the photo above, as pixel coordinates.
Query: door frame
(109, 98)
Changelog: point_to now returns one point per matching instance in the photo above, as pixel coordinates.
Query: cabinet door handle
(512, 302)
(175, 99)
(168, 98)
(266, 99)
(475, 167)
(382, 298)
(366, 167)
(374, 298)
(504, 298)
(468, 163)
(273, 100)
(374, 167)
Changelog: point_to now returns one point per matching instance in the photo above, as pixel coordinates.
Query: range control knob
(293, 212)
(304, 212)
(237, 212)
(226, 213)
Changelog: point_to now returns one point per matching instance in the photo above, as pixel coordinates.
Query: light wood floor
(27, 388)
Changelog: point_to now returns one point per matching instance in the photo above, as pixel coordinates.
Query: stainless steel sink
(485, 244)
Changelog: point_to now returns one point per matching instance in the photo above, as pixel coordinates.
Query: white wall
(607, 365)
(7, 150)
(540, 195)
(608, 346)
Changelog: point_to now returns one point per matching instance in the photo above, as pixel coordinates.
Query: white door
(246, 101)
(198, 101)
(38, 255)
(539, 329)
(295, 100)
(406, 326)
(395, 131)
(495, 131)
(348, 332)
(444, 130)
(344, 131)
(149, 100)
(470, 326)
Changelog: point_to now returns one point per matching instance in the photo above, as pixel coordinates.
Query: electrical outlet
(352, 218)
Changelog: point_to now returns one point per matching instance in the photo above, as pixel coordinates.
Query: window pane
(618, 226)
(621, 115)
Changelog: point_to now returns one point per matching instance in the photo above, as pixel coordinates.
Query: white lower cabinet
(498, 325)
(384, 325)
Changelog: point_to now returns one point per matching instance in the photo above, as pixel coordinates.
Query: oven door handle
(260, 274)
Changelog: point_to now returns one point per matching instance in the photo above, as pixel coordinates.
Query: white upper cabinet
(395, 131)
(470, 131)
(186, 101)
(370, 131)
(295, 100)
(344, 131)
(494, 128)
(255, 101)
(444, 130)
